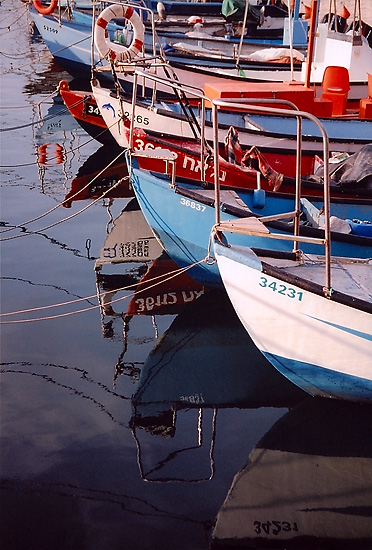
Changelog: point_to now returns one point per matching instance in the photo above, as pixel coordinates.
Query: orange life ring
(117, 52)
(45, 10)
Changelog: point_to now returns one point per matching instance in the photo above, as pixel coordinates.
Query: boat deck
(296, 92)
(350, 276)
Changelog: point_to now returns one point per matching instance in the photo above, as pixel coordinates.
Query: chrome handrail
(248, 105)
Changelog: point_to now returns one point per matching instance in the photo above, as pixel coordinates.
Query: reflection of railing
(146, 475)
(248, 105)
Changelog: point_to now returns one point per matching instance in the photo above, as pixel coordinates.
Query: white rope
(67, 218)
(24, 12)
(45, 54)
(173, 274)
(22, 225)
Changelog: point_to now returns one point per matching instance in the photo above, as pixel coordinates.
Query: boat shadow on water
(307, 484)
(203, 363)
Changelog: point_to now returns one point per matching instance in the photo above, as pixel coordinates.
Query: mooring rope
(172, 274)
(24, 12)
(22, 225)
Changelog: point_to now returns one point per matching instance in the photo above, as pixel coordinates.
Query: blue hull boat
(69, 41)
(182, 216)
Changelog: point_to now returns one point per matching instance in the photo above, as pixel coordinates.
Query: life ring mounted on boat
(45, 10)
(117, 52)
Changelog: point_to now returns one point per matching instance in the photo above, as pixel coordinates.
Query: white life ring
(117, 52)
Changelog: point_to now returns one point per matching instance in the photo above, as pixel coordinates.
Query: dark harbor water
(135, 411)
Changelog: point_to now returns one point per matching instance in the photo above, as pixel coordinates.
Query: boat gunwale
(241, 212)
(284, 275)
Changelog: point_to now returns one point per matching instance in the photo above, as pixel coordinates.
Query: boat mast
(242, 33)
(290, 28)
(311, 42)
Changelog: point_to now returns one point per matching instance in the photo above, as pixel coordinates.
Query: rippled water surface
(139, 420)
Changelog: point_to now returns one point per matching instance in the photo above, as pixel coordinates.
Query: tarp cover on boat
(233, 10)
(356, 169)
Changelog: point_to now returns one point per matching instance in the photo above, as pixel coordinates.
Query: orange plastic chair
(365, 104)
(336, 86)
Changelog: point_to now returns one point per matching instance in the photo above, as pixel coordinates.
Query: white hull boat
(309, 314)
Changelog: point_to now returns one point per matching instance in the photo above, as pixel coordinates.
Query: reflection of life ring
(45, 10)
(58, 155)
(115, 51)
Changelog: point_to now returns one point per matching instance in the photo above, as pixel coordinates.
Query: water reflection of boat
(203, 363)
(55, 123)
(103, 172)
(129, 240)
(55, 134)
(308, 483)
(163, 290)
(158, 288)
(204, 360)
(135, 277)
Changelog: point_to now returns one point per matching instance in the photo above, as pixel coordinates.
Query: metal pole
(310, 47)
(243, 30)
(134, 95)
(298, 183)
(216, 163)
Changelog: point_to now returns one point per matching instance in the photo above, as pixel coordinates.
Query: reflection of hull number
(50, 29)
(193, 205)
(194, 399)
(274, 527)
(135, 249)
(167, 299)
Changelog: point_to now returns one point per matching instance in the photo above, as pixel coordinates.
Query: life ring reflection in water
(45, 10)
(46, 158)
(117, 52)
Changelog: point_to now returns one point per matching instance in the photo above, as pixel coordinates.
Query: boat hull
(83, 107)
(263, 131)
(69, 44)
(319, 344)
(183, 224)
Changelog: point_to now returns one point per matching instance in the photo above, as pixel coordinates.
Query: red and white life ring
(117, 52)
(45, 10)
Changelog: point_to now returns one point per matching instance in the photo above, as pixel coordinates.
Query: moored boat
(318, 306)
(74, 50)
(179, 208)
(347, 132)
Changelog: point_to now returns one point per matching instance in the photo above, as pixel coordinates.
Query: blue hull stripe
(357, 333)
(320, 381)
